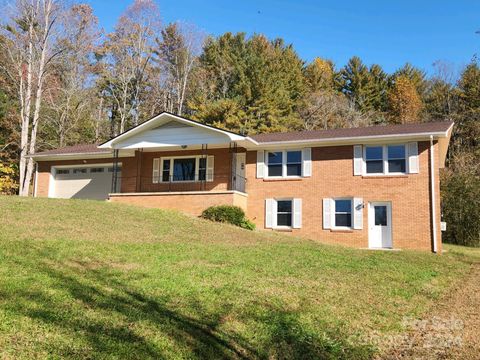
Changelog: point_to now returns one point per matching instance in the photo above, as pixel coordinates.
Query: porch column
(233, 166)
(115, 172)
(139, 160)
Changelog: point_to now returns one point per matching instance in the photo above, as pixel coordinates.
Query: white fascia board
(349, 140)
(160, 118)
(78, 156)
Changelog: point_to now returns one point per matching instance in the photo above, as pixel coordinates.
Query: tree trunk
(26, 108)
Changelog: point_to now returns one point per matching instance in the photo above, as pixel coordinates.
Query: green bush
(461, 204)
(228, 214)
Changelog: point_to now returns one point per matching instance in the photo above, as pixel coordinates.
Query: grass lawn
(86, 279)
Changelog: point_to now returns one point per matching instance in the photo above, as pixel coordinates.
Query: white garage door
(93, 182)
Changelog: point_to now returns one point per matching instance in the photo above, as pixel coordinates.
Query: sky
(388, 32)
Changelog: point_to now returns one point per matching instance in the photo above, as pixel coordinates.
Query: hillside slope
(86, 279)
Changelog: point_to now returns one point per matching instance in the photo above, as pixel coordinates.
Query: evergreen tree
(262, 79)
(366, 87)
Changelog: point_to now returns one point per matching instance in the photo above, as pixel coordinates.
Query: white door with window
(380, 225)
(239, 176)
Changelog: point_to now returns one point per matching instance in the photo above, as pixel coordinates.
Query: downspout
(432, 196)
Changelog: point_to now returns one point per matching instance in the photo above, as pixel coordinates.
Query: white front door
(380, 225)
(240, 171)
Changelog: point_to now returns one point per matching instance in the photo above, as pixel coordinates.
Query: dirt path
(452, 332)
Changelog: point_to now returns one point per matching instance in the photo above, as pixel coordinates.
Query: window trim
(197, 169)
(283, 227)
(385, 159)
(334, 213)
(284, 164)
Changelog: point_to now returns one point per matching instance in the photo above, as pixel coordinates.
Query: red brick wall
(332, 176)
(190, 203)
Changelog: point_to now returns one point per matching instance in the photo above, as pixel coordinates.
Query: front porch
(179, 171)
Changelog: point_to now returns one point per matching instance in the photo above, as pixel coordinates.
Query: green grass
(85, 279)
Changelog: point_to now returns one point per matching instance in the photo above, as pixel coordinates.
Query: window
(63, 171)
(202, 169)
(97, 170)
(184, 169)
(380, 216)
(275, 163)
(284, 163)
(396, 159)
(80, 171)
(343, 213)
(165, 171)
(294, 163)
(374, 159)
(284, 213)
(386, 159)
(110, 169)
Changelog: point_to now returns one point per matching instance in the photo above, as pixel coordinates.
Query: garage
(83, 182)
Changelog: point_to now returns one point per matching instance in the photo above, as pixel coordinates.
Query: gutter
(351, 139)
(432, 194)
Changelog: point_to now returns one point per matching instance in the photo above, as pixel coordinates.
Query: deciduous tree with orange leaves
(404, 101)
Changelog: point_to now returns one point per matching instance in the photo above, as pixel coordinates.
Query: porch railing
(172, 184)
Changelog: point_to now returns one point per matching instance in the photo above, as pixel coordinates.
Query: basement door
(380, 225)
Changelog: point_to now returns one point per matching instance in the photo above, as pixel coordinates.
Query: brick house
(374, 187)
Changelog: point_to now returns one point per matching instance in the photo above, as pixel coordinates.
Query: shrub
(228, 214)
(8, 185)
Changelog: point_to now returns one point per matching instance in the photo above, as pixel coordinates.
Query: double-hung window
(343, 213)
(396, 159)
(284, 163)
(284, 213)
(374, 159)
(385, 159)
(275, 163)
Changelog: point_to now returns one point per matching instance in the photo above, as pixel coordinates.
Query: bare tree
(68, 99)
(127, 56)
(328, 110)
(178, 52)
(30, 34)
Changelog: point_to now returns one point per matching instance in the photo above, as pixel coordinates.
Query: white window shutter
(327, 213)
(270, 213)
(357, 160)
(413, 165)
(358, 213)
(260, 164)
(210, 167)
(307, 162)
(156, 170)
(297, 213)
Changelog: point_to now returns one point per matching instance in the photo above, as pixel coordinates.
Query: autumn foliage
(404, 101)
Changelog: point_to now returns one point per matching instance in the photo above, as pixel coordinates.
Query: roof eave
(353, 140)
(70, 156)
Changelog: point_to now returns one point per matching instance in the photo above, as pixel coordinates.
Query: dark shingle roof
(405, 129)
(75, 149)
